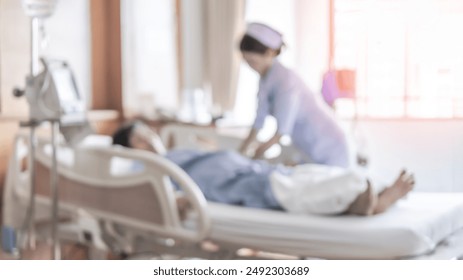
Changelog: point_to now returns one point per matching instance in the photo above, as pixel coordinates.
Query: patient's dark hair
(249, 44)
(122, 135)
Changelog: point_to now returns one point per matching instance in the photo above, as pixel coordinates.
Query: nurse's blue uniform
(303, 116)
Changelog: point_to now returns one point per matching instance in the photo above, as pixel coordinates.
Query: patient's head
(138, 135)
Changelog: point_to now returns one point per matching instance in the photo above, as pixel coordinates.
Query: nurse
(299, 113)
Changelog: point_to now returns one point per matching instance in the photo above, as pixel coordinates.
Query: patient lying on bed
(228, 177)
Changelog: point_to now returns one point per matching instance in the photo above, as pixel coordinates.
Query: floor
(43, 252)
(80, 252)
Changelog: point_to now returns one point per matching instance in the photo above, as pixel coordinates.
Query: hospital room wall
(14, 56)
(431, 149)
(14, 65)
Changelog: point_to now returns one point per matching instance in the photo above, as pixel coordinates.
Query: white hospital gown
(302, 115)
(317, 189)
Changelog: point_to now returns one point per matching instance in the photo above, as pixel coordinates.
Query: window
(406, 54)
(149, 56)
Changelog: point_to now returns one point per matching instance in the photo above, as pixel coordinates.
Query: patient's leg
(401, 187)
(365, 203)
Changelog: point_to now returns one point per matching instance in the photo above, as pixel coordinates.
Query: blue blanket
(228, 177)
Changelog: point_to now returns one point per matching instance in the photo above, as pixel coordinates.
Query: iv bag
(39, 8)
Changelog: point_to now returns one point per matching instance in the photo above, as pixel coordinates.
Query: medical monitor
(65, 88)
(53, 96)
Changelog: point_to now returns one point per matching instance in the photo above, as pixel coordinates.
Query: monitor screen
(65, 87)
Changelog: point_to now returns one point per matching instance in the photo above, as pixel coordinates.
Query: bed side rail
(88, 182)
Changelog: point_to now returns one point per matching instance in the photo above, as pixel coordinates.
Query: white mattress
(411, 228)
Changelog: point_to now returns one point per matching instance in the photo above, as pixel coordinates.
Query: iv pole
(39, 9)
(28, 227)
(42, 88)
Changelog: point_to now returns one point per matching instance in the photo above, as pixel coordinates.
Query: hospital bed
(108, 207)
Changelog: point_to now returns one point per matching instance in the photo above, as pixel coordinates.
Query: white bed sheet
(412, 227)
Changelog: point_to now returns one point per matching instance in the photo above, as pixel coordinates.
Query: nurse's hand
(260, 151)
(259, 154)
(244, 148)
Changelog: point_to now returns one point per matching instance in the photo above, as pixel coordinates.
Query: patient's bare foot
(401, 187)
(365, 203)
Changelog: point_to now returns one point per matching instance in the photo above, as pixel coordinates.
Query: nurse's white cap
(268, 36)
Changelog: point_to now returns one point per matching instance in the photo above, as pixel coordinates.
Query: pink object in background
(338, 84)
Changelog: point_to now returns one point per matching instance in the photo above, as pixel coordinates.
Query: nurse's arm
(251, 138)
(266, 145)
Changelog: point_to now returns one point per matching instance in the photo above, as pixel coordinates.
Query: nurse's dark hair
(250, 44)
(123, 133)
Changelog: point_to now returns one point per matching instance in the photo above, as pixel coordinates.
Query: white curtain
(149, 56)
(225, 26)
(211, 30)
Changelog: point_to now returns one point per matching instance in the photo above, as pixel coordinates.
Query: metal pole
(35, 49)
(27, 234)
(34, 69)
(31, 229)
(35, 45)
(56, 252)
